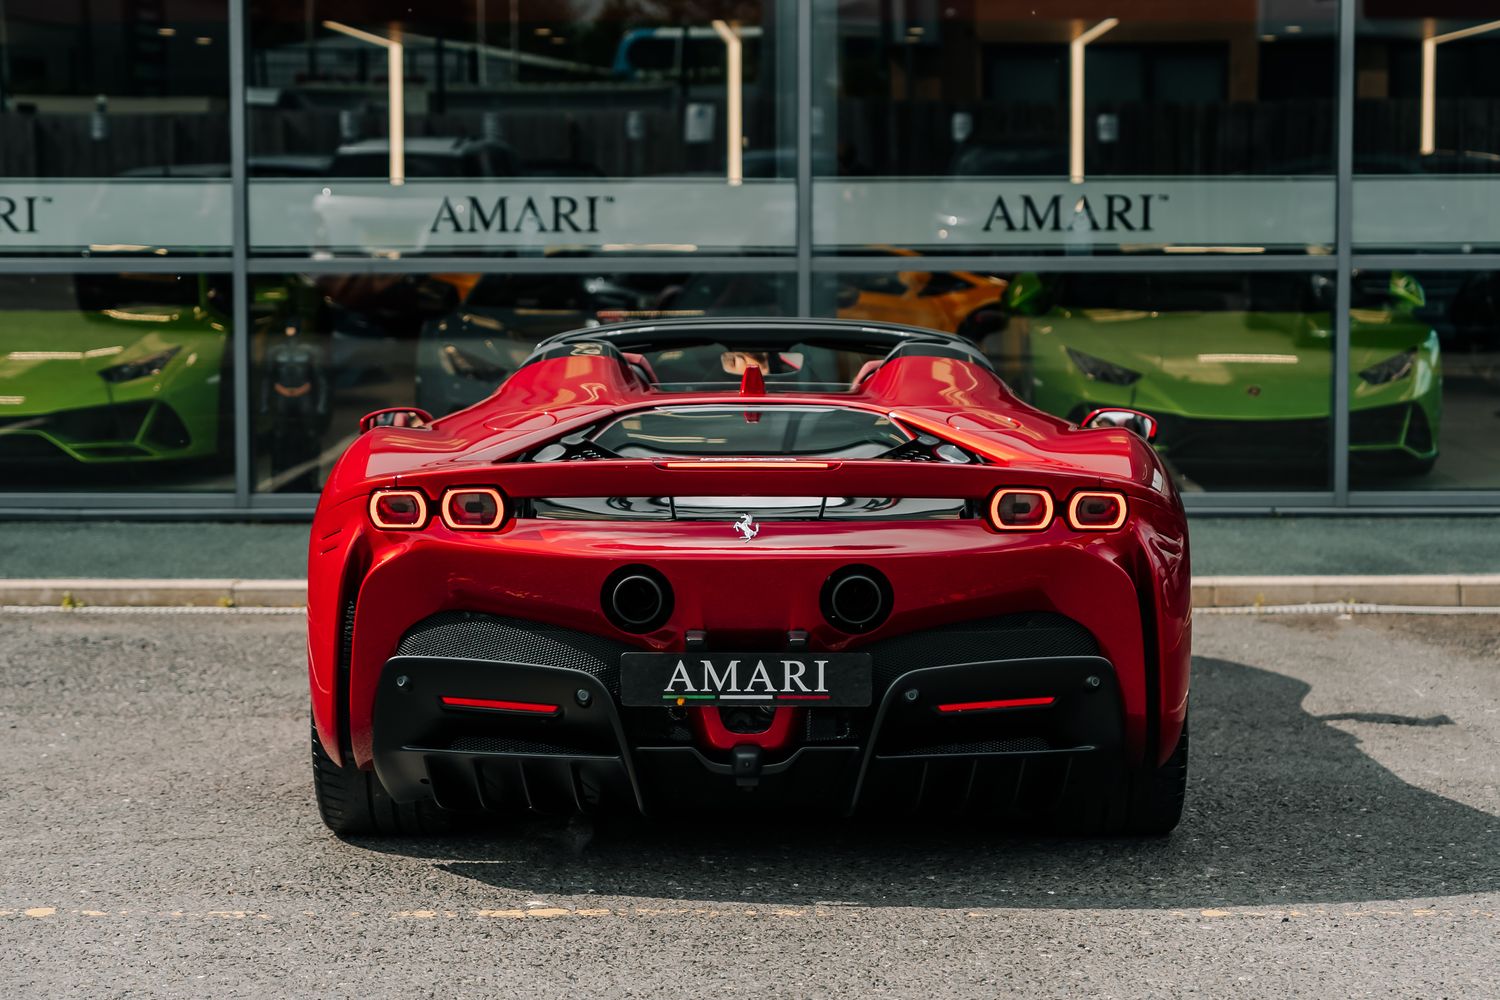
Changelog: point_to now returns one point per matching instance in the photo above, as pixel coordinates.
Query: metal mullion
(521, 265)
(284, 501)
(121, 499)
(114, 265)
(1269, 502)
(1344, 241)
(1434, 501)
(239, 253)
(228, 510)
(804, 157)
(1061, 264)
(1427, 262)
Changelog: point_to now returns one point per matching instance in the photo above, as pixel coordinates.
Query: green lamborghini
(1236, 368)
(133, 372)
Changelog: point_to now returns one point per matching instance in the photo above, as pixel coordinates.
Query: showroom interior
(229, 228)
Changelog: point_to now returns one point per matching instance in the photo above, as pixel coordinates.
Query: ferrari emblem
(746, 527)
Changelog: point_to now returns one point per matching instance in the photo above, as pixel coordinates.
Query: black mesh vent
(1008, 637)
(469, 636)
(1028, 744)
(1382, 425)
(491, 744)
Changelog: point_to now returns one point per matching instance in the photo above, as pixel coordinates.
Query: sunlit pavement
(1341, 839)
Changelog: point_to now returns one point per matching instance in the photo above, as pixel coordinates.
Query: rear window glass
(803, 367)
(709, 431)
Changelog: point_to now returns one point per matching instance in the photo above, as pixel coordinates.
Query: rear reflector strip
(529, 707)
(980, 706)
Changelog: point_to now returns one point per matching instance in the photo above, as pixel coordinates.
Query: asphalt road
(1341, 840)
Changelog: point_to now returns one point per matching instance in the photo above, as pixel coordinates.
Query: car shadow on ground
(1283, 807)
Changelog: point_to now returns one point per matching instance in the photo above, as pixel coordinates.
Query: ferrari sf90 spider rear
(750, 565)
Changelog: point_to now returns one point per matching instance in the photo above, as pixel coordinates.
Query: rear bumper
(1127, 589)
(591, 754)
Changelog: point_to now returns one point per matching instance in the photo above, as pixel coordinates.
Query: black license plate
(831, 680)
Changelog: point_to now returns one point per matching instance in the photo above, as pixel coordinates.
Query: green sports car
(132, 371)
(1236, 368)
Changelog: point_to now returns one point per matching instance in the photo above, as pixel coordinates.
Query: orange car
(956, 301)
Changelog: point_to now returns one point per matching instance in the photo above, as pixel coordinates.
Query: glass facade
(229, 228)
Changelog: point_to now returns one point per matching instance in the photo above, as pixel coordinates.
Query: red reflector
(401, 510)
(1096, 511)
(473, 509)
(1020, 510)
(980, 706)
(535, 708)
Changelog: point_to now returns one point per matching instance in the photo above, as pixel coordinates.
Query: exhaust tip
(856, 599)
(637, 599)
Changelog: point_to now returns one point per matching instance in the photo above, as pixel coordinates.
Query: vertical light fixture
(1428, 143)
(1075, 96)
(479, 37)
(733, 84)
(395, 97)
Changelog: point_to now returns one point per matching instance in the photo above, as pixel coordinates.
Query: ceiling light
(166, 32)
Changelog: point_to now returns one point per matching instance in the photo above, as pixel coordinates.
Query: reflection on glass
(115, 381)
(1235, 369)
(329, 349)
(1448, 427)
(627, 89)
(104, 89)
(1074, 89)
(1428, 87)
(1426, 103)
(523, 128)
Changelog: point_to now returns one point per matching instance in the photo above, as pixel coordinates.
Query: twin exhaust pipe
(639, 600)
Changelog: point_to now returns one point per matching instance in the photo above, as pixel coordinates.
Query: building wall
(1272, 225)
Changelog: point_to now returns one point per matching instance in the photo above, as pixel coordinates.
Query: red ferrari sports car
(750, 564)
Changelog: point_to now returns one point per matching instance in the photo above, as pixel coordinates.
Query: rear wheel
(1135, 801)
(1156, 795)
(352, 801)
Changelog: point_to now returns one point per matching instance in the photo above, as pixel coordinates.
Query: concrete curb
(1482, 590)
(1476, 590)
(156, 593)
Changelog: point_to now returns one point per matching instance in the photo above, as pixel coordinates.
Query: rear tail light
(398, 510)
(1020, 510)
(1096, 511)
(473, 508)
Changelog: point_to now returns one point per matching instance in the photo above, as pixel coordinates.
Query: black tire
(353, 802)
(1127, 802)
(1156, 795)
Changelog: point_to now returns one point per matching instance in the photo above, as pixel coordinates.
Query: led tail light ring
(1097, 511)
(398, 510)
(1020, 510)
(473, 508)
